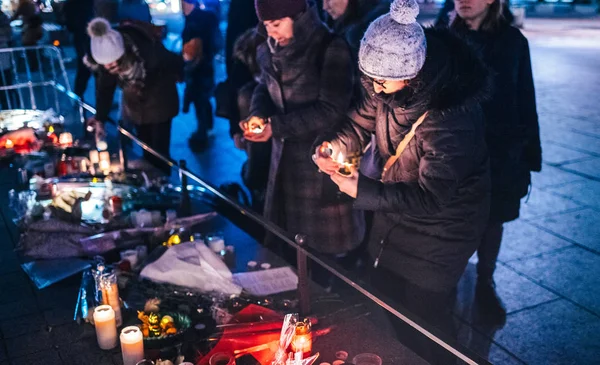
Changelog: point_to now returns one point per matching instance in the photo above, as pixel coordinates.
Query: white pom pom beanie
(394, 47)
(107, 44)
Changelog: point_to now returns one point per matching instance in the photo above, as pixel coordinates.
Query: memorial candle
(132, 345)
(106, 327)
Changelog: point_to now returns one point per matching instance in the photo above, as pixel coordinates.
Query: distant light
(56, 43)
(161, 6)
(175, 6)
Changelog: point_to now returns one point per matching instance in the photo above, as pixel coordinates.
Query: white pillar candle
(65, 139)
(132, 345)
(106, 327)
(94, 157)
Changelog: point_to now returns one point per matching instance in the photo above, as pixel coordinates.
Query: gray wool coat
(306, 89)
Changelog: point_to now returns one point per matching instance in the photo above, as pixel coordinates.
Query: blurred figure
(447, 13)
(512, 129)
(134, 58)
(5, 61)
(350, 18)
(199, 37)
(240, 18)
(134, 10)
(32, 30)
(244, 79)
(78, 14)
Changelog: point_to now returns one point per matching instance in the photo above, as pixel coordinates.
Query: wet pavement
(549, 269)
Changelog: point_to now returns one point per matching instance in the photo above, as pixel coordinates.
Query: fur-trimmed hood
(453, 76)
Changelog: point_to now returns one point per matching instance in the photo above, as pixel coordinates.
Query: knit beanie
(106, 43)
(394, 47)
(278, 9)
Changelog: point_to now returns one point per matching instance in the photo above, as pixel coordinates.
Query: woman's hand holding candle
(256, 130)
(347, 184)
(323, 158)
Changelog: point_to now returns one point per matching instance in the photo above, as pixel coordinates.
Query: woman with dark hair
(431, 200)
(512, 130)
(350, 18)
(305, 89)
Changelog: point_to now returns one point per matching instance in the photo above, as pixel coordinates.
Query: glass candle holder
(108, 291)
(302, 341)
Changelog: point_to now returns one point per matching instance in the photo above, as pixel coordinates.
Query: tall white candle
(132, 345)
(94, 157)
(106, 327)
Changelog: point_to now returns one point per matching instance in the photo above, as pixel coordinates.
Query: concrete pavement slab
(557, 155)
(28, 344)
(588, 168)
(542, 203)
(16, 327)
(553, 333)
(552, 176)
(522, 239)
(583, 191)
(572, 272)
(580, 227)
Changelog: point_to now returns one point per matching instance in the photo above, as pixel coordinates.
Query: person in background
(32, 30)
(350, 18)
(305, 89)
(134, 10)
(6, 78)
(422, 97)
(240, 18)
(512, 129)
(134, 58)
(199, 36)
(78, 13)
(448, 12)
(255, 175)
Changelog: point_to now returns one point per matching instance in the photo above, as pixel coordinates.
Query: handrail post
(303, 282)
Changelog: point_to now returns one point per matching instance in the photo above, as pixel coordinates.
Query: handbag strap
(405, 141)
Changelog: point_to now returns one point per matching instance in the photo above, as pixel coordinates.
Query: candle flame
(9, 143)
(340, 158)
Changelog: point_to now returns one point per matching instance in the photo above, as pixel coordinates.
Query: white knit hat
(106, 43)
(394, 46)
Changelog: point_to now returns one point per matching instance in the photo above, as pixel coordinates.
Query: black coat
(512, 129)
(202, 24)
(241, 17)
(433, 205)
(306, 89)
(155, 99)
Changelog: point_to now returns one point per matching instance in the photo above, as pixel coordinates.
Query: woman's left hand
(349, 184)
(264, 136)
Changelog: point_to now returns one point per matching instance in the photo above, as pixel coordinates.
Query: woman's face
(472, 9)
(281, 30)
(388, 86)
(335, 8)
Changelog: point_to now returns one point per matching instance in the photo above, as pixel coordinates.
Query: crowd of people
(444, 119)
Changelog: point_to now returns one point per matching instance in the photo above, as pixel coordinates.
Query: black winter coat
(433, 205)
(306, 89)
(155, 99)
(512, 129)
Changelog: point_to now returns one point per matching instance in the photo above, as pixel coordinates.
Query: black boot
(490, 304)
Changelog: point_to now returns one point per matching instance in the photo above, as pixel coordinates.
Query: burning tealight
(106, 327)
(345, 168)
(132, 345)
(9, 144)
(65, 139)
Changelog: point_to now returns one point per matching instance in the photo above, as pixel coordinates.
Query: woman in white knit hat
(133, 58)
(431, 202)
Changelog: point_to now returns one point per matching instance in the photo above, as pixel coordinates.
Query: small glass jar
(302, 341)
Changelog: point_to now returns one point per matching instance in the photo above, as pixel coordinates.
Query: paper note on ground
(267, 282)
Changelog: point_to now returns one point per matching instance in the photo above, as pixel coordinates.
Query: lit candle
(132, 345)
(94, 157)
(105, 162)
(345, 168)
(9, 144)
(106, 327)
(65, 139)
(302, 341)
